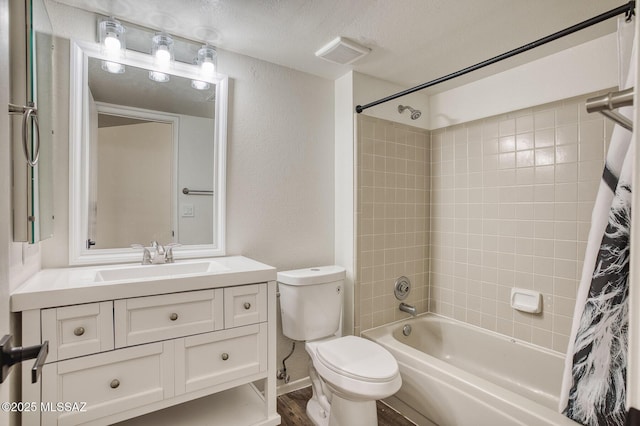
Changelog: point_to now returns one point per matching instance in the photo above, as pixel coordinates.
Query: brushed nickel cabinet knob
(173, 316)
(225, 356)
(114, 383)
(78, 331)
(247, 305)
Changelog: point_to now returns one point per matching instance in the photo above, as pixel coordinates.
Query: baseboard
(293, 386)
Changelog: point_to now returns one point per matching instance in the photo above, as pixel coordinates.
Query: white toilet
(348, 374)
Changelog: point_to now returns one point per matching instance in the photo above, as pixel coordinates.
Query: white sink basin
(169, 270)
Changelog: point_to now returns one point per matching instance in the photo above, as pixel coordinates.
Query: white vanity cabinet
(186, 357)
(73, 331)
(152, 318)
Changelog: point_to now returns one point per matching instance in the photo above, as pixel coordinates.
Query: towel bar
(188, 191)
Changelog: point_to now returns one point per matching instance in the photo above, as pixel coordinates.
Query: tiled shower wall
(392, 216)
(511, 201)
(470, 211)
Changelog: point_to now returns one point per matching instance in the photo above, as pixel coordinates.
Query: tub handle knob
(401, 288)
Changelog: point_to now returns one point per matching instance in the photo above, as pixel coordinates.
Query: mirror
(147, 159)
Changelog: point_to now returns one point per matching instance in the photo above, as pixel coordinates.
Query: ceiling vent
(342, 51)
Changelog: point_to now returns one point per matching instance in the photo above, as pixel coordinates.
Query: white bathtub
(458, 374)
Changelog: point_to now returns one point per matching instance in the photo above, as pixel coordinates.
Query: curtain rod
(627, 9)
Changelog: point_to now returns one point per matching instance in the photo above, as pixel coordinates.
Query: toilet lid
(358, 358)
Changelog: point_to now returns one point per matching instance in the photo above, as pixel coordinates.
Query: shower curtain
(594, 382)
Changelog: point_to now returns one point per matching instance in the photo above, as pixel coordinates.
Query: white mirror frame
(79, 160)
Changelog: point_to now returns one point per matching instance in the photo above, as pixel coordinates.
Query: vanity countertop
(70, 286)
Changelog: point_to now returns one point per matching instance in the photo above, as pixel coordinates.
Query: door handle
(12, 355)
(27, 112)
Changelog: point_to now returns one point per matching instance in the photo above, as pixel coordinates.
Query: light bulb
(163, 57)
(111, 43)
(208, 68)
(162, 50)
(207, 58)
(112, 38)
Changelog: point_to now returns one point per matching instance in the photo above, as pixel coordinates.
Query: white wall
(586, 68)
(344, 191)
(280, 173)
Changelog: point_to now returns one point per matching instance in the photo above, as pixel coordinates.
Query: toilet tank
(311, 301)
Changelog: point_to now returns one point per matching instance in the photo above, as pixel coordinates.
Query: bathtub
(454, 373)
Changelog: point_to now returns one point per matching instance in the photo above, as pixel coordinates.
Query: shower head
(415, 114)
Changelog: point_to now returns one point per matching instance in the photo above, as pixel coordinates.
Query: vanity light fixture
(162, 50)
(207, 60)
(112, 44)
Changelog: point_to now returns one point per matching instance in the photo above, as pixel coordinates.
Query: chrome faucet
(168, 254)
(408, 309)
(160, 255)
(146, 254)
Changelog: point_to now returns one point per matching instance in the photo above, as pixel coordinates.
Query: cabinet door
(244, 305)
(167, 316)
(212, 359)
(108, 383)
(78, 330)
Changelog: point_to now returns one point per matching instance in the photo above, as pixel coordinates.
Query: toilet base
(346, 412)
(343, 412)
(317, 415)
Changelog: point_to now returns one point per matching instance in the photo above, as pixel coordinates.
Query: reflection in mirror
(130, 196)
(138, 148)
(142, 143)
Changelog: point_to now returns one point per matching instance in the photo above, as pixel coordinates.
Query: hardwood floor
(292, 409)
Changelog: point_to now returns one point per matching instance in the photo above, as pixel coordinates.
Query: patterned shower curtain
(594, 384)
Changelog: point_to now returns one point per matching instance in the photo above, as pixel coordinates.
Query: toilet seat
(356, 367)
(358, 358)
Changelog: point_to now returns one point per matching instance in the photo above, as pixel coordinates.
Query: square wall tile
(539, 175)
(470, 211)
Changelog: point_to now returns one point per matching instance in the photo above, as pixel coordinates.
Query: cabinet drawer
(244, 305)
(78, 330)
(212, 359)
(108, 383)
(149, 319)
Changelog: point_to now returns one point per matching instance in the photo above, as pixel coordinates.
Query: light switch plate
(187, 210)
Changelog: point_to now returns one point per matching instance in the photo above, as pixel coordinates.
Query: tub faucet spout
(408, 309)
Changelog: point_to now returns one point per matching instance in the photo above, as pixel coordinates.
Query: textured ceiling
(412, 41)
